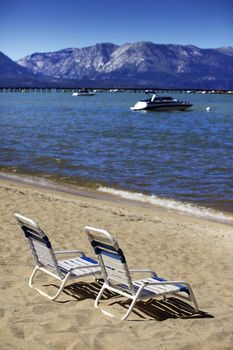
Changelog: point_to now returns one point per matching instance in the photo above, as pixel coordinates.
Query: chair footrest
(160, 289)
(67, 264)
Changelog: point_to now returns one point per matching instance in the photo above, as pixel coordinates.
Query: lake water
(173, 159)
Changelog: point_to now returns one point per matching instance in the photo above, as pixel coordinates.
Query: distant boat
(83, 92)
(158, 103)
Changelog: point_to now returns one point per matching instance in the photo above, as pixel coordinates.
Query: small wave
(33, 180)
(185, 207)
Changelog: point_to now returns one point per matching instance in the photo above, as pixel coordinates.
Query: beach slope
(176, 246)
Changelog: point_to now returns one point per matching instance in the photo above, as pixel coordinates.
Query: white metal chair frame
(46, 258)
(117, 276)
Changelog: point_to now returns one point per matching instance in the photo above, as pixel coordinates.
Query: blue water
(98, 141)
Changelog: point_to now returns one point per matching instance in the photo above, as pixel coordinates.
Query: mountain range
(135, 65)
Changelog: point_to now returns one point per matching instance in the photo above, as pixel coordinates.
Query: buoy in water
(208, 109)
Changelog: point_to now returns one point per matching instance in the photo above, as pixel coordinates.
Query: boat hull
(177, 107)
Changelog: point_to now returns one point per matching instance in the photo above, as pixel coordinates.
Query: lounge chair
(117, 276)
(46, 258)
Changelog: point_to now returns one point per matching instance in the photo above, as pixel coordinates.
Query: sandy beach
(176, 246)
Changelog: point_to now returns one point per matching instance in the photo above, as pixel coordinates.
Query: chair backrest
(39, 243)
(111, 258)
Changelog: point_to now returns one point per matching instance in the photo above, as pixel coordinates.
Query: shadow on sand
(159, 310)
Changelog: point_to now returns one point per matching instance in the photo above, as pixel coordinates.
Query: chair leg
(192, 298)
(32, 276)
(54, 297)
(129, 309)
(99, 296)
(97, 300)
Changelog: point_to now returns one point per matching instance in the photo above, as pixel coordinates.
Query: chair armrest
(153, 273)
(69, 252)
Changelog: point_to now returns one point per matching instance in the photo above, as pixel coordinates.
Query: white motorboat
(83, 92)
(161, 103)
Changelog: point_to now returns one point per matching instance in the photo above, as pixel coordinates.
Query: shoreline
(176, 246)
(122, 197)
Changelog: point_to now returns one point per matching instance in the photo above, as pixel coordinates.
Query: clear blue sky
(28, 26)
